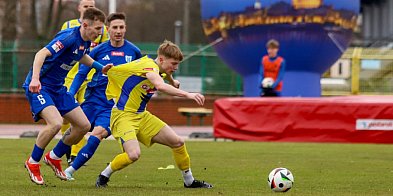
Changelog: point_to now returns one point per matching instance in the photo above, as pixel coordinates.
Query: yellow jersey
(128, 85)
(100, 39)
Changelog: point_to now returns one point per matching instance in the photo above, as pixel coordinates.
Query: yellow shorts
(80, 95)
(127, 126)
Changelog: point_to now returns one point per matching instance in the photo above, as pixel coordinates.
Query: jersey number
(41, 99)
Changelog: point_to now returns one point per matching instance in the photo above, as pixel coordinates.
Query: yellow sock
(77, 147)
(120, 161)
(181, 157)
(64, 128)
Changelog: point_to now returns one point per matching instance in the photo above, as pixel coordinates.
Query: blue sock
(37, 153)
(86, 152)
(61, 148)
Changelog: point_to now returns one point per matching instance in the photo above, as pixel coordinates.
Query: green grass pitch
(234, 168)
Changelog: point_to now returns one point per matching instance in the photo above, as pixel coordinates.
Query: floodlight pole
(178, 25)
(112, 6)
(186, 22)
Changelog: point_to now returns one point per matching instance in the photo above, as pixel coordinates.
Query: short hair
(80, 1)
(272, 44)
(170, 50)
(94, 14)
(115, 16)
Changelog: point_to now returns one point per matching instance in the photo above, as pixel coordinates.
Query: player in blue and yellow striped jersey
(80, 94)
(131, 86)
(96, 107)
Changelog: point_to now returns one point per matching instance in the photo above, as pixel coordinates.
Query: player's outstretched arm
(79, 78)
(40, 56)
(87, 60)
(172, 81)
(160, 85)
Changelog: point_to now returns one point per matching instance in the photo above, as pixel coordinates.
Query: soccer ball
(280, 180)
(267, 82)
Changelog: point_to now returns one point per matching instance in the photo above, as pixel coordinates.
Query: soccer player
(80, 94)
(131, 86)
(48, 97)
(273, 66)
(96, 107)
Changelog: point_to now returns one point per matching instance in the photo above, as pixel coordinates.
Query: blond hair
(170, 50)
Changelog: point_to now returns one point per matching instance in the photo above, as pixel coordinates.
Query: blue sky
(209, 7)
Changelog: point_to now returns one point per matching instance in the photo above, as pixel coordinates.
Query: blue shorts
(60, 98)
(98, 116)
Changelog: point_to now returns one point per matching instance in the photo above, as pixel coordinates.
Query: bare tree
(33, 19)
(47, 27)
(8, 29)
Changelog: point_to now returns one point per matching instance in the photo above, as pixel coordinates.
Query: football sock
(181, 157)
(68, 155)
(107, 171)
(77, 147)
(70, 169)
(86, 152)
(182, 160)
(36, 155)
(64, 128)
(59, 150)
(120, 161)
(187, 177)
(52, 155)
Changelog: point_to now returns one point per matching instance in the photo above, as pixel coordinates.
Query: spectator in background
(272, 71)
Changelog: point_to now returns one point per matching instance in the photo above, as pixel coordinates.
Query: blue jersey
(67, 48)
(104, 53)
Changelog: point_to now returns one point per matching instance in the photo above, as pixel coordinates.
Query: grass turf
(234, 168)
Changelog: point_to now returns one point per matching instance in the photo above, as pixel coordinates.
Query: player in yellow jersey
(79, 96)
(131, 86)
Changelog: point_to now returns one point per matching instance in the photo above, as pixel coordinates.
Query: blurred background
(27, 25)
(366, 66)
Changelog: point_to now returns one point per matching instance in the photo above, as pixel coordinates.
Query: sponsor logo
(128, 58)
(115, 53)
(85, 155)
(57, 46)
(148, 89)
(66, 67)
(106, 58)
(374, 124)
(149, 69)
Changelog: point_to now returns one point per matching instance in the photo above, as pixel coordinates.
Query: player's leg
(64, 127)
(85, 154)
(79, 127)
(130, 155)
(168, 137)
(123, 127)
(99, 117)
(80, 97)
(42, 106)
(53, 123)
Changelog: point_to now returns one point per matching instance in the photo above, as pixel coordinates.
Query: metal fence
(359, 71)
(203, 72)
